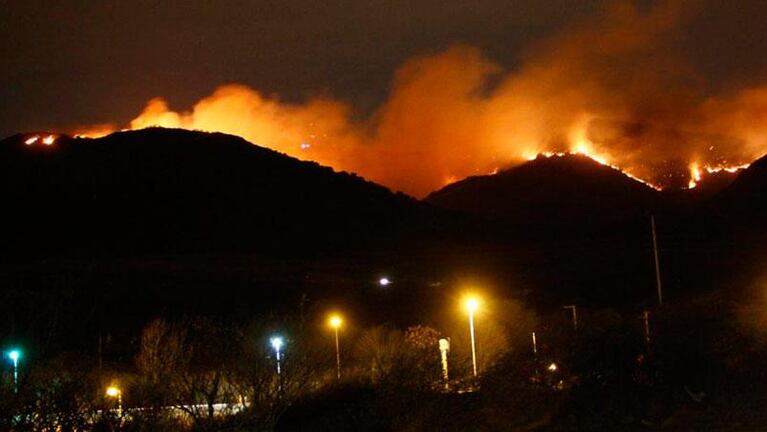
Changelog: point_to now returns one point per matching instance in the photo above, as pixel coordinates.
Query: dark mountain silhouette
(175, 222)
(747, 191)
(171, 191)
(558, 190)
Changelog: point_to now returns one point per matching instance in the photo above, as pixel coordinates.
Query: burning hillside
(613, 88)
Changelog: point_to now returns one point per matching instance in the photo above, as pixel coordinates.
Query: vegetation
(204, 374)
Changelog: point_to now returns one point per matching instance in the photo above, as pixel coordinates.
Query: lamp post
(277, 343)
(15, 355)
(114, 392)
(335, 322)
(574, 310)
(471, 306)
(444, 347)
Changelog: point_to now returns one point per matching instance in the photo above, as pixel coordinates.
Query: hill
(558, 190)
(172, 191)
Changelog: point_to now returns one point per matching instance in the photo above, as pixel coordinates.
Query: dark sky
(74, 62)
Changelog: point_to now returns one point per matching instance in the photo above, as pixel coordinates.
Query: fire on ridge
(582, 147)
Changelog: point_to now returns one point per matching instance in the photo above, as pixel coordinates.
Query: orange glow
(726, 168)
(49, 140)
(95, 131)
(588, 90)
(31, 140)
(695, 176)
(335, 321)
(599, 159)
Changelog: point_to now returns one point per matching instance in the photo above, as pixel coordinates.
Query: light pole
(471, 306)
(115, 392)
(15, 355)
(335, 322)
(444, 347)
(574, 310)
(277, 343)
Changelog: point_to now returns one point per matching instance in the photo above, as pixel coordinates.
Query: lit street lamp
(115, 392)
(277, 343)
(472, 304)
(335, 322)
(15, 355)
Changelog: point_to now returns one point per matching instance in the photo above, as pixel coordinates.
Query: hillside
(559, 190)
(174, 191)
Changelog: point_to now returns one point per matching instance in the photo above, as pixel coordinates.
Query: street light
(115, 392)
(15, 355)
(384, 281)
(277, 343)
(472, 304)
(335, 322)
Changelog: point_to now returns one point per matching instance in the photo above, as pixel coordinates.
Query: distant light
(49, 140)
(384, 281)
(32, 140)
(335, 321)
(276, 342)
(472, 304)
(305, 146)
(552, 367)
(444, 344)
(14, 355)
(113, 391)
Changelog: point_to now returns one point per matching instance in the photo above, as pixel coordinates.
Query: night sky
(74, 62)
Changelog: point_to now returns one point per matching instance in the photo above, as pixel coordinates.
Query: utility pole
(574, 310)
(646, 320)
(657, 262)
(444, 347)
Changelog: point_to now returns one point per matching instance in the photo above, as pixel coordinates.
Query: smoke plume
(614, 87)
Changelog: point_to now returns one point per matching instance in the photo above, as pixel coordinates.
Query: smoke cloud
(615, 87)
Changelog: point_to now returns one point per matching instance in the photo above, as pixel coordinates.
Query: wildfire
(730, 169)
(697, 173)
(47, 140)
(598, 159)
(695, 176)
(588, 91)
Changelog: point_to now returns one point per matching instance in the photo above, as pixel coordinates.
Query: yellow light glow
(335, 321)
(49, 140)
(471, 303)
(552, 367)
(113, 391)
(695, 176)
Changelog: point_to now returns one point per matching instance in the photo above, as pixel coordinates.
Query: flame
(47, 140)
(449, 180)
(600, 160)
(606, 89)
(695, 176)
(727, 168)
(95, 131)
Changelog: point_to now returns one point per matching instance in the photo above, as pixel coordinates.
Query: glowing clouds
(611, 88)
(156, 113)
